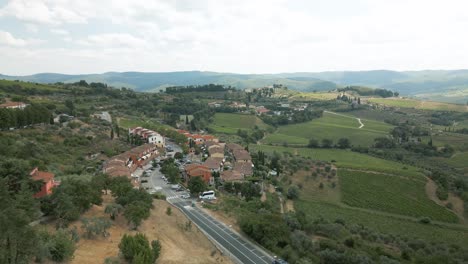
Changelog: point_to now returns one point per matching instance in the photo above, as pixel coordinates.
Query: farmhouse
(231, 176)
(13, 105)
(244, 168)
(214, 164)
(261, 110)
(216, 151)
(198, 170)
(48, 182)
(241, 155)
(149, 136)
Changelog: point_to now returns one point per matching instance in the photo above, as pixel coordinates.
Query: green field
(330, 126)
(33, 86)
(392, 194)
(412, 103)
(314, 96)
(346, 159)
(457, 141)
(229, 123)
(382, 223)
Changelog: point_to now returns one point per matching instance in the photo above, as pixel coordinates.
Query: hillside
(447, 86)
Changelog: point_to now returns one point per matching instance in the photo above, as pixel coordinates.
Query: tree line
(198, 88)
(17, 118)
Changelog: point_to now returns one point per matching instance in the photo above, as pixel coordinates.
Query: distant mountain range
(440, 85)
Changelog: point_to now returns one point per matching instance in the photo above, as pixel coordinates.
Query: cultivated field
(228, 123)
(331, 126)
(412, 103)
(329, 202)
(314, 96)
(392, 194)
(457, 141)
(346, 159)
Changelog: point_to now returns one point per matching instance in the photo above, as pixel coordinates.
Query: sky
(238, 36)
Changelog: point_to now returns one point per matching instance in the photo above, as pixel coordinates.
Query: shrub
(349, 242)
(293, 192)
(168, 210)
(136, 249)
(61, 246)
(425, 220)
(95, 227)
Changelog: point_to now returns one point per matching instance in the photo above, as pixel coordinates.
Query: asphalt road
(234, 245)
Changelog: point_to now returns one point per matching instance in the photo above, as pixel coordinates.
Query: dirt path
(358, 119)
(457, 203)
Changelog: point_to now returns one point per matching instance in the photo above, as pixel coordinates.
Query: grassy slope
(382, 223)
(330, 126)
(390, 194)
(33, 86)
(411, 103)
(346, 159)
(229, 123)
(130, 123)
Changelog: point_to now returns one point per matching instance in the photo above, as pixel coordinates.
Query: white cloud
(7, 39)
(242, 36)
(59, 31)
(42, 11)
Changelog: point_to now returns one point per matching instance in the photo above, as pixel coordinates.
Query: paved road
(235, 246)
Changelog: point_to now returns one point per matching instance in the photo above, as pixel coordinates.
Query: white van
(209, 195)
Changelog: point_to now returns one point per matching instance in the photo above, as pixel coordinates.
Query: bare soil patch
(457, 203)
(179, 244)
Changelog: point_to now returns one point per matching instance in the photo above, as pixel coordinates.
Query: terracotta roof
(213, 163)
(41, 175)
(230, 175)
(245, 168)
(215, 149)
(12, 104)
(208, 144)
(241, 154)
(208, 137)
(233, 146)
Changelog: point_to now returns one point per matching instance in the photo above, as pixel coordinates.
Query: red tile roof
(12, 104)
(41, 175)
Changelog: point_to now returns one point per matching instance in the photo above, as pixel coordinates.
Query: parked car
(144, 181)
(279, 261)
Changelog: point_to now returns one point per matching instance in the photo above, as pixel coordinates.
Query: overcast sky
(241, 36)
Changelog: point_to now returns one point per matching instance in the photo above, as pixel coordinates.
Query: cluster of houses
(231, 161)
(197, 138)
(126, 163)
(148, 136)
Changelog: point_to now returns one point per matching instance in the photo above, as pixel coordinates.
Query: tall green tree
(196, 185)
(136, 212)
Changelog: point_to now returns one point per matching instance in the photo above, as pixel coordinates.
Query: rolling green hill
(227, 123)
(330, 126)
(447, 86)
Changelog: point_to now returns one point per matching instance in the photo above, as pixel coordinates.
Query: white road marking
(202, 215)
(224, 238)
